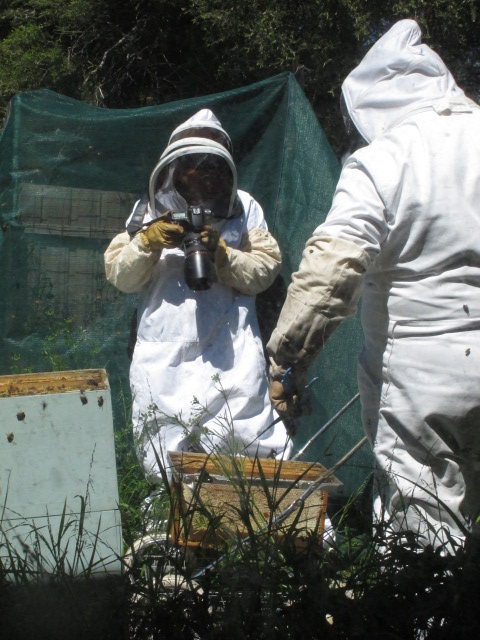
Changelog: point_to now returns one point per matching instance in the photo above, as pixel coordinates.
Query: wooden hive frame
(217, 498)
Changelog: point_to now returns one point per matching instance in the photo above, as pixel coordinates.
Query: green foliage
(322, 40)
(107, 53)
(315, 40)
(142, 52)
(132, 485)
(265, 587)
(30, 60)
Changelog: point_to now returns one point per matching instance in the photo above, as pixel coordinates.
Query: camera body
(198, 269)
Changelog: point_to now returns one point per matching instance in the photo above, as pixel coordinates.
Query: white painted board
(58, 479)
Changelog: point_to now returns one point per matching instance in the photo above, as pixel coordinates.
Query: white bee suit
(198, 374)
(405, 226)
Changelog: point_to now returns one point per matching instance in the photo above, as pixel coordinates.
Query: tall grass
(265, 587)
(364, 586)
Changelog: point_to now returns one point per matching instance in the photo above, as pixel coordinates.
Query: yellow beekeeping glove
(215, 245)
(221, 253)
(162, 234)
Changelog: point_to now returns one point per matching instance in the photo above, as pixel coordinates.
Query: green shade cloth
(69, 175)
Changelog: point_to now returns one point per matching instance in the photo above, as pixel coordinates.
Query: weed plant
(266, 586)
(360, 588)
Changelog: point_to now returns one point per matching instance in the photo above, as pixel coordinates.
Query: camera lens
(198, 268)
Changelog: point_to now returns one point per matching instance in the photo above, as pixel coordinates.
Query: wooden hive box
(219, 498)
(58, 477)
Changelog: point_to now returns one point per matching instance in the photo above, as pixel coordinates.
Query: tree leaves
(141, 52)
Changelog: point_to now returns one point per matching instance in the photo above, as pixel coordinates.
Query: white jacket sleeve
(128, 263)
(329, 282)
(324, 291)
(358, 213)
(254, 266)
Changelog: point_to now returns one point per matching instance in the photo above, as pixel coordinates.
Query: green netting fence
(69, 175)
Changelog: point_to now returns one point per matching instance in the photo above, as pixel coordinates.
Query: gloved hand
(216, 247)
(162, 234)
(287, 394)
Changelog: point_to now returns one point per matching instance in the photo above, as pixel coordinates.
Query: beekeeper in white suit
(404, 230)
(198, 375)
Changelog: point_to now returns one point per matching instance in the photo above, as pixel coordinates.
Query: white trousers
(423, 421)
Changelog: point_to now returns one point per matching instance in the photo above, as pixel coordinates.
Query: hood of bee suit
(200, 140)
(203, 119)
(398, 76)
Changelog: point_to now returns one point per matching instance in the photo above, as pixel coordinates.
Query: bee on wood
(10, 436)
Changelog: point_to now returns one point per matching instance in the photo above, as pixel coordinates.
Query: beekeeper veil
(196, 169)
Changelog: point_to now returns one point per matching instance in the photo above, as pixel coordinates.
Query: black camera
(199, 273)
